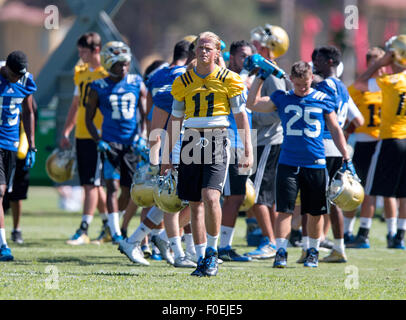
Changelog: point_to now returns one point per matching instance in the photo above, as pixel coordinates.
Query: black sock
(84, 226)
(363, 232)
(400, 234)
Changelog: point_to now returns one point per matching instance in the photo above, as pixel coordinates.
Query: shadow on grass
(88, 261)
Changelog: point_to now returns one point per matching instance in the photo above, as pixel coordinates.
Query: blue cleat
(199, 272)
(265, 250)
(156, 255)
(390, 241)
(229, 254)
(281, 258)
(348, 237)
(360, 242)
(5, 253)
(211, 265)
(398, 243)
(116, 238)
(312, 258)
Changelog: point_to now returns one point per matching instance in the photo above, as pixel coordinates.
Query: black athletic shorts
(204, 158)
(265, 175)
(235, 182)
(7, 166)
(89, 162)
(119, 163)
(363, 152)
(387, 172)
(312, 184)
(21, 182)
(333, 164)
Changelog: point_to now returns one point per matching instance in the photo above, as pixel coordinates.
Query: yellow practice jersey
(83, 77)
(369, 104)
(393, 110)
(208, 97)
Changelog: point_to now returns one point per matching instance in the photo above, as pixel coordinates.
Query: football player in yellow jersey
(89, 167)
(205, 96)
(387, 173)
(366, 137)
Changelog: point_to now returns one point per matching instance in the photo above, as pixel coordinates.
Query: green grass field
(46, 268)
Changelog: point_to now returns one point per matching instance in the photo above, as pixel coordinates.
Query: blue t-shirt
(11, 98)
(160, 86)
(338, 93)
(303, 123)
(233, 135)
(117, 103)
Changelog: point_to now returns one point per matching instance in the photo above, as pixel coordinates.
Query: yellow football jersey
(393, 110)
(207, 97)
(83, 78)
(369, 104)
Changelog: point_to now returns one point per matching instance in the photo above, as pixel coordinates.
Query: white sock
(114, 224)
(190, 245)
(212, 241)
(87, 218)
(139, 234)
(200, 249)
(104, 216)
(365, 223)
(157, 232)
(314, 243)
(227, 234)
(163, 235)
(3, 237)
(176, 246)
(281, 243)
(305, 241)
(339, 245)
(401, 224)
(349, 224)
(121, 214)
(391, 224)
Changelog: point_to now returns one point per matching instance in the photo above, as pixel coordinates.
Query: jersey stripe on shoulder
(221, 73)
(189, 76)
(225, 75)
(331, 84)
(183, 81)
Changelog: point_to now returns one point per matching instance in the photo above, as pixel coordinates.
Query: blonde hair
(212, 36)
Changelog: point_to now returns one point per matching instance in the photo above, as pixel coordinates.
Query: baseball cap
(17, 61)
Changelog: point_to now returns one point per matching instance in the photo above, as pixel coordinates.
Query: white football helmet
(142, 188)
(345, 191)
(397, 44)
(60, 165)
(165, 193)
(112, 52)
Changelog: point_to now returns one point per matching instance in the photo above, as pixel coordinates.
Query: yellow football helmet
(273, 37)
(190, 38)
(397, 44)
(142, 188)
(345, 191)
(250, 195)
(60, 165)
(112, 52)
(165, 194)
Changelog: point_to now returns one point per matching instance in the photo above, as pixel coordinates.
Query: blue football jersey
(11, 98)
(303, 123)
(117, 103)
(160, 86)
(233, 135)
(338, 92)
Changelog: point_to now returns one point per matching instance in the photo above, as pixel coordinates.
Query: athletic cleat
(199, 272)
(5, 253)
(302, 258)
(229, 254)
(348, 237)
(133, 252)
(79, 238)
(146, 250)
(184, 262)
(191, 256)
(116, 238)
(281, 259)
(124, 233)
(164, 248)
(104, 235)
(398, 243)
(17, 237)
(360, 242)
(295, 238)
(155, 255)
(312, 258)
(335, 257)
(390, 241)
(265, 250)
(326, 243)
(211, 262)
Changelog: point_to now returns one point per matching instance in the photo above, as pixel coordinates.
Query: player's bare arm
(91, 109)
(257, 103)
(29, 120)
(173, 130)
(70, 123)
(142, 106)
(241, 120)
(337, 134)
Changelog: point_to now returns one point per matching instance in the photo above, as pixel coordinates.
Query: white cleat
(184, 262)
(164, 248)
(133, 252)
